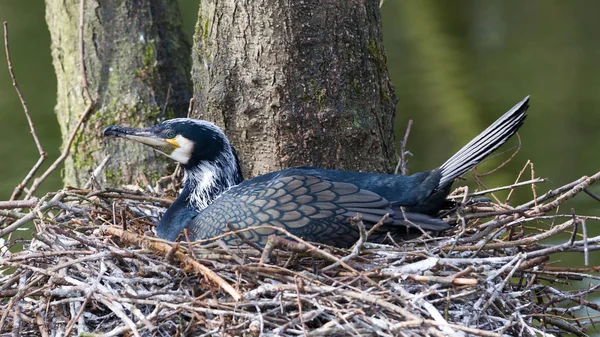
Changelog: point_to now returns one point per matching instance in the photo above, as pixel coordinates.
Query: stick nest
(95, 268)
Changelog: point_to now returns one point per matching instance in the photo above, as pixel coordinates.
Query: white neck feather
(209, 180)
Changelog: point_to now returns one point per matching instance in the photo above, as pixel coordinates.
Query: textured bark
(296, 82)
(137, 62)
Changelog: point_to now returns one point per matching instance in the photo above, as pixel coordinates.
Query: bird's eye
(171, 134)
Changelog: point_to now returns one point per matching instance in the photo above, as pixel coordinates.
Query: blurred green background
(457, 66)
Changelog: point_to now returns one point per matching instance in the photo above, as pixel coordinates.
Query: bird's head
(190, 142)
(210, 162)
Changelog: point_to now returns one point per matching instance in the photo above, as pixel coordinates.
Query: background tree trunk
(137, 62)
(296, 82)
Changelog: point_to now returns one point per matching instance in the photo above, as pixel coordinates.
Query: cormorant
(309, 202)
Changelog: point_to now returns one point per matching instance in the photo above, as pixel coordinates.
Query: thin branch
(402, 162)
(21, 98)
(43, 155)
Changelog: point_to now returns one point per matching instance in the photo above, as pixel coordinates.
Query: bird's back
(316, 204)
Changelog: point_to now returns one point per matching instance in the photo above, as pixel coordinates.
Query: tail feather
(485, 143)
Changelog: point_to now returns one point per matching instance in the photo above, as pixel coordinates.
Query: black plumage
(312, 203)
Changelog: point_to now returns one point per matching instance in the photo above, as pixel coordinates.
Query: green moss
(148, 71)
(320, 97)
(170, 113)
(376, 51)
(149, 55)
(201, 35)
(113, 176)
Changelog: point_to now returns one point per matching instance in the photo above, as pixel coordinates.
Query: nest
(95, 268)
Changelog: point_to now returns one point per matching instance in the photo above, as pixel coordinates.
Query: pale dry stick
(566, 247)
(402, 162)
(191, 107)
(97, 171)
(39, 320)
(501, 188)
(517, 180)
(498, 288)
(100, 255)
(414, 225)
(43, 155)
(424, 304)
(90, 292)
(552, 193)
(447, 280)
(16, 328)
(378, 224)
(575, 230)
(19, 203)
(261, 320)
(586, 251)
(356, 221)
(541, 209)
(522, 242)
(299, 301)
(48, 254)
(12, 214)
(117, 309)
(15, 299)
(88, 109)
(143, 320)
(533, 187)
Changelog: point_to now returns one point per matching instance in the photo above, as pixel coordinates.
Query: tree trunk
(296, 82)
(137, 62)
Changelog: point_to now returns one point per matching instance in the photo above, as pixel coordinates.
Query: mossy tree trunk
(296, 82)
(137, 62)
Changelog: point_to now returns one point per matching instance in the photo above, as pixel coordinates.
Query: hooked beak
(146, 136)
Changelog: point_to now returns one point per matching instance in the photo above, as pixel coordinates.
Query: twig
(357, 222)
(43, 155)
(587, 181)
(21, 98)
(90, 292)
(591, 194)
(516, 243)
(19, 203)
(502, 188)
(402, 162)
(96, 173)
(575, 228)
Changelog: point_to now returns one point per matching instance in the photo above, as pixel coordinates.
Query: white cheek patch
(183, 153)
